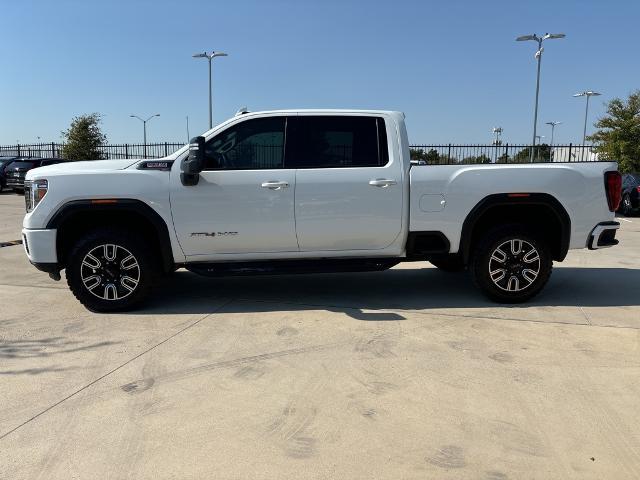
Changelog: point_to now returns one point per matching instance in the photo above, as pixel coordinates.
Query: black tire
(106, 253)
(18, 191)
(451, 263)
(518, 284)
(626, 207)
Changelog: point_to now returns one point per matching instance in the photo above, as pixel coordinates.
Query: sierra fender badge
(213, 234)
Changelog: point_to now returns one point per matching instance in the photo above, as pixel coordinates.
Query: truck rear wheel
(110, 270)
(511, 264)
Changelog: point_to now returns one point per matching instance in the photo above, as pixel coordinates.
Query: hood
(92, 166)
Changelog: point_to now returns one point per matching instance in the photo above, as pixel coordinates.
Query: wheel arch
(78, 216)
(539, 210)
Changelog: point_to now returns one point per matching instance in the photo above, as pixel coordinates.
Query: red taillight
(638, 189)
(613, 187)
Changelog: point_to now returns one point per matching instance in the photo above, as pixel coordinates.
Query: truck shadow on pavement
(396, 289)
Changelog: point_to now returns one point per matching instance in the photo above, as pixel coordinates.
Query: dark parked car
(4, 161)
(630, 194)
(16, 170)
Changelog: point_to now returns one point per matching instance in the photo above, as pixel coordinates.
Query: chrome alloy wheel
(514, 265)
(110, 272)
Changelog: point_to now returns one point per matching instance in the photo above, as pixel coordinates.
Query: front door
(244, 201)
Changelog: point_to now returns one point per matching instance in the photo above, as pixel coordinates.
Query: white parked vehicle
(310, 191)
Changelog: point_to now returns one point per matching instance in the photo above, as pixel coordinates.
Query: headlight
(34, 191)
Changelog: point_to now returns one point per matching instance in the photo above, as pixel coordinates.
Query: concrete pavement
(408, 373)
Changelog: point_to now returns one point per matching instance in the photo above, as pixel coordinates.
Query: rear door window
(339, 142)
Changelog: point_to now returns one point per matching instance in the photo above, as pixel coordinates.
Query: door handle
(382, 182)
(274, 185)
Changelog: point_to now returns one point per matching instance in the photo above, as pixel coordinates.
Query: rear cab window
(336, 141)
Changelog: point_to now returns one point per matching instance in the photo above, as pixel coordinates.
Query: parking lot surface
(408, 373)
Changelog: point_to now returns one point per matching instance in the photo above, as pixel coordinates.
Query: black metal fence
(115, 151)
(451, 154)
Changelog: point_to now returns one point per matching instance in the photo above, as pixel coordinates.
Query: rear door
(348, 186)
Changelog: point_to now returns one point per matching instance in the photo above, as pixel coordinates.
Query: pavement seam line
(93, 382)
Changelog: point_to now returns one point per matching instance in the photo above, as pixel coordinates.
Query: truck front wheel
(511, 264)
(110, 270)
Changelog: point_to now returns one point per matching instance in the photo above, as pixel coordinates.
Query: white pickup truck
(309, 191)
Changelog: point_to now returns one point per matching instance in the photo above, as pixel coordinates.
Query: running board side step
(287, 267)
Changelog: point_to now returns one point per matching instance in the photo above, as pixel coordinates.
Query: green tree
(416, 154)
(84, 138)
(618, 135)
(432, 157)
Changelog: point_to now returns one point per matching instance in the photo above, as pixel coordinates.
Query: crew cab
(306, 191)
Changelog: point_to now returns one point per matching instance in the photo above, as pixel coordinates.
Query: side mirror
(194, 163)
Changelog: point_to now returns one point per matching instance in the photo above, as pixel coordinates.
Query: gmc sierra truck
(309, 191)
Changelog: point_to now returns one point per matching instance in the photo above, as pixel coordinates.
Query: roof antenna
(242, 111)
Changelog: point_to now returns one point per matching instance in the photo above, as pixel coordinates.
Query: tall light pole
(553, 127)
(188, 137)
(144, 123)
(586, 93)
(538, 56)
(210, 56)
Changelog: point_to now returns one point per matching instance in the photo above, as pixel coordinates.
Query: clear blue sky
(452, 66)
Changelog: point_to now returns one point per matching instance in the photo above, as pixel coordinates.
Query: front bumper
(603, 235)
(40, 246)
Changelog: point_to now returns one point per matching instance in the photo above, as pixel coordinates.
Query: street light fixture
(498, 132)
(144, 123)
(538, 56)
(210, 56)
(553, 126)
(586, 93)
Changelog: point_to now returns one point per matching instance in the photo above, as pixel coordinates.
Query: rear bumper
(603, 235)
(40, 246)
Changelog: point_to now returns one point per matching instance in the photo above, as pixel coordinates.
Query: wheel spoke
(498, 274)
(110, 292)
(128, 263)
(529, 275)
(91, 261)
(499, 256)
(513, 285)
(531, 256)
(129, 283)
(516, 246)
(92, 282)
(110, 251)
